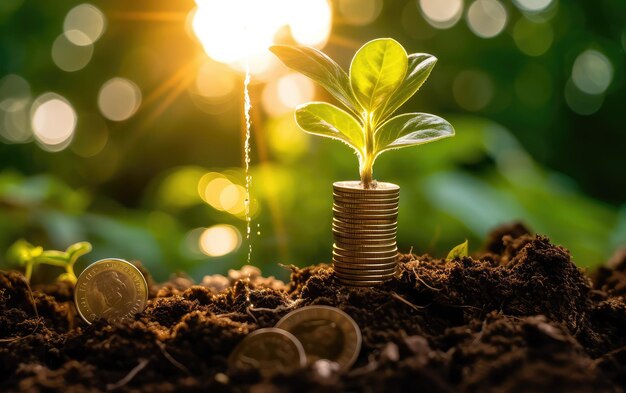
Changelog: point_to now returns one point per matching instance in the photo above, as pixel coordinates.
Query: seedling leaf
(411, 129)
(320, 118)
(419, 67)
(377, 70)
(459, 251)
(321, 68)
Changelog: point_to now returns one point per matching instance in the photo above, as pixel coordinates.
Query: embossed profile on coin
(269, 350)
(112, 289)
(325, 333)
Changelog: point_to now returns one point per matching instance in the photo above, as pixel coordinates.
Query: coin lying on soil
(269, 350)
(112, 289)
(325, 333)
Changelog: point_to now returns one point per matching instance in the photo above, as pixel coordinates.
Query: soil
(520, 317)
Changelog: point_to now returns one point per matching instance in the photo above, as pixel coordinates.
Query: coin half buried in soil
(112, 289)
(326, 333)
(269, 350)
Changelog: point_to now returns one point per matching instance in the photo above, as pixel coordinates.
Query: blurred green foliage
(529, 145)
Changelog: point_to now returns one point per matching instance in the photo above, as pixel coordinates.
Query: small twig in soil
(424, 282)
(171, 359)
(408, 303)
(38, 318)
(277, 309)
(479, 336)
(129, 377)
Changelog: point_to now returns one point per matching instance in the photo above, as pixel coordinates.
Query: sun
(236, 31)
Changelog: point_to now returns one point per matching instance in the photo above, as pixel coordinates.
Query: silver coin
(112, 289)
(326, 333)
(269, 350)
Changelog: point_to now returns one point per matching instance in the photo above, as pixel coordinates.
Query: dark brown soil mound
(520, 318)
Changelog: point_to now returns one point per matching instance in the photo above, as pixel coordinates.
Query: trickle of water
(246, 148)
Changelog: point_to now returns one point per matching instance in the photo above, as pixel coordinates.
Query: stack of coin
(365, 222)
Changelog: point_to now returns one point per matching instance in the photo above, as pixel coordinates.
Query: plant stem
(367, 163)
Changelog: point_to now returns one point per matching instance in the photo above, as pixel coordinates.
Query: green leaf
(77, 250)
(321, 68)
(377, 70)
(411, 129)
(459, 251)
(320, 118)
(419, 67)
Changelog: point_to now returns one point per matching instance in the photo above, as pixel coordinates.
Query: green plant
(460, 251)
(25, 254)
(382, 77)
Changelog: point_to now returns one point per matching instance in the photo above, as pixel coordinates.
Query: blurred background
(121, 123)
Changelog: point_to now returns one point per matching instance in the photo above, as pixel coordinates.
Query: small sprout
(25, 254)
(382, 77)
(459, 251)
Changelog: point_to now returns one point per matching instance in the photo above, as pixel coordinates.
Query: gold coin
(363, 238)
(364, 259)
(345, 248)
(269, 350)
(354, 233)
(326, 333)
(364, 277)
(365, 199)
(374, 229)
(112, 289)
(363, 210)
(364, 253)
(355, 208)
(365, 224)
(365, 272)
(366, 283)
(356, 185)
(382, 217)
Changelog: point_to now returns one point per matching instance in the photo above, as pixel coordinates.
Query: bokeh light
(532, 5)
(486, 18)
(473, 90)
(119, 99)
(442, 14)
(214, 80)
(15, 99)
(178, 189)
(310, 21)
(69, 56)
(534, 39)
(53, 121)
(283, 95)
(219, 240)
(581, 102)
(359, 12)
(286, 139)
(84, 24)
(237, 31)
(225, 193)
(592, 72)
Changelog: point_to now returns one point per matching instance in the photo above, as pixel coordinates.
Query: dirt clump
(519, 318)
